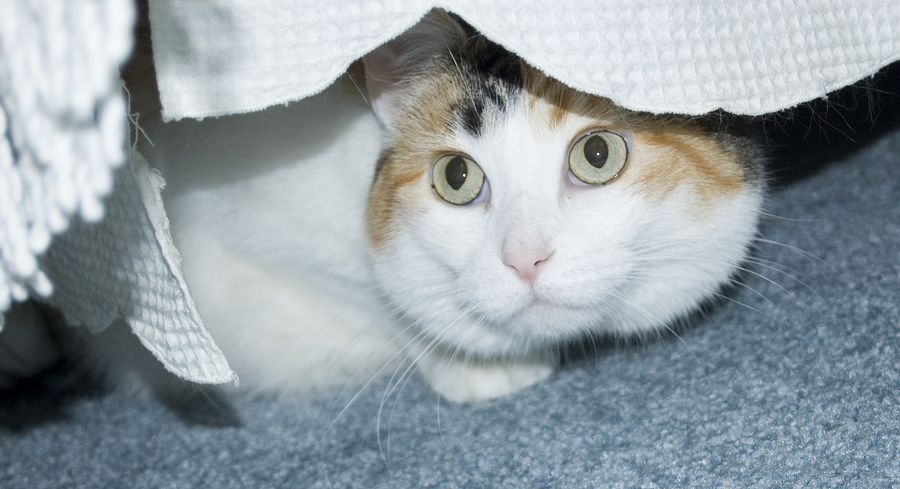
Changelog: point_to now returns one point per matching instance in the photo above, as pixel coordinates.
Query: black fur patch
(491, 76)
(382, 159)
(470, 114)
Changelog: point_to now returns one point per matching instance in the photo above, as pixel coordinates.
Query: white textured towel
(684, 56)
(62, 116)
(63, 133)
(62, 125)
(127, 267)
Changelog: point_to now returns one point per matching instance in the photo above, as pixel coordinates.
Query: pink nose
(526, 262)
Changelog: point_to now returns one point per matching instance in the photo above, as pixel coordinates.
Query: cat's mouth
(540, 312)
(539, 305)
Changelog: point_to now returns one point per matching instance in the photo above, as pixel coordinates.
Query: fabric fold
(681, 56)
(127, 266)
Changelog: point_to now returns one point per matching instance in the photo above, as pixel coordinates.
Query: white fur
(267, 212)
(537, 259)
(618, 262)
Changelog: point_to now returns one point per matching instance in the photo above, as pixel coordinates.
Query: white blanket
(62, 126)
(62, 116)
(684, 56)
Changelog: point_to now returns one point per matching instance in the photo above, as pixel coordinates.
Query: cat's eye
(457, 179)
(598, 157)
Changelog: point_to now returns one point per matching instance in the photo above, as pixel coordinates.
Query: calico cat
(511, 213)
(476, 217)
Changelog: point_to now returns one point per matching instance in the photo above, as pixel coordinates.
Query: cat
(511, 213)
(467, 217)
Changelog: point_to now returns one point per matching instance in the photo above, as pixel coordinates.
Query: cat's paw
(464, 380)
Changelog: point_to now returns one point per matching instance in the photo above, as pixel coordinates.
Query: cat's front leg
(461, 379)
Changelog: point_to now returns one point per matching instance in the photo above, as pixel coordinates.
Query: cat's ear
(392, 68)
(385, 80)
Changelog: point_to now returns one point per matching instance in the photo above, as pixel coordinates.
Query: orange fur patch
(552, 102)
(398, 185)
(666, 151)
(666, 158)
(387, 195)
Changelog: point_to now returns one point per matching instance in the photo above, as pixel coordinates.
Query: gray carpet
(792, 380)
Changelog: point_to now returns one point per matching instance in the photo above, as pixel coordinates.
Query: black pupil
(596, 151)
(456, 172)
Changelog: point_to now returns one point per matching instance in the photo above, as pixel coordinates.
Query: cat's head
(510, 212)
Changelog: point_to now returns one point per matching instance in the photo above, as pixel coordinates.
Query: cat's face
(511, 213)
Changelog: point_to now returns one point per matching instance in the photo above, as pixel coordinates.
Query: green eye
(598, 157)
(457, 179)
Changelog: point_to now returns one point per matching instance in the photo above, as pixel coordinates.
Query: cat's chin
(544, 321)
(541, 308)
(538, 326)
